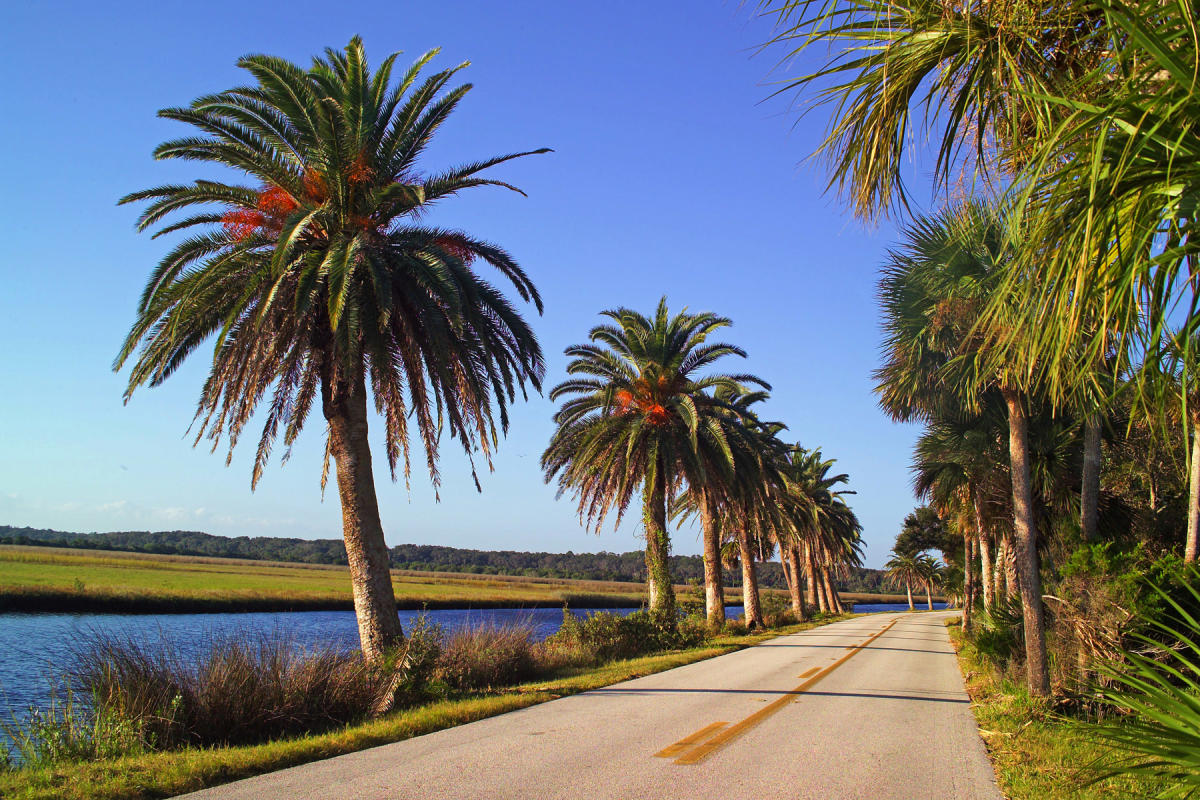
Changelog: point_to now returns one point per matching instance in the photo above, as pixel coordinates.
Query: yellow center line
(806, 673)
(688, 741)
(705, 749)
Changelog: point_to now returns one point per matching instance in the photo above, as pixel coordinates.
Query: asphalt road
(873, 707)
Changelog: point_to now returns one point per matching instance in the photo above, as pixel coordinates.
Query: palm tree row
(642, 416)
(1071, 288)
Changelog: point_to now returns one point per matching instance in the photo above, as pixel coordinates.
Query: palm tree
(932, 578)
(640, 415)
(320, 284)
(976, 70)
(937, 360)
(736, 492)
(905, 571)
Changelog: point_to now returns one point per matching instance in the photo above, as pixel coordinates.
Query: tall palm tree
(320, 284)
(826, 533)
(734, 495)
(937, 359)
(639, 414)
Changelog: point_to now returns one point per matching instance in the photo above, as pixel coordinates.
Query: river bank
(173, 772)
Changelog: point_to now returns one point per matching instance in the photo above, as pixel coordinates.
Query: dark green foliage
(1158, 680)
(607, 636)
(1000, 633)
(924, 530)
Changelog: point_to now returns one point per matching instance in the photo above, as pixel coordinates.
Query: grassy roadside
(175, 772)
(1036, 753)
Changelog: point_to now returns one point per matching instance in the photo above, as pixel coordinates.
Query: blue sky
(672, 174)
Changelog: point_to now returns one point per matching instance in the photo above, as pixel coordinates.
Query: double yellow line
(706, 741)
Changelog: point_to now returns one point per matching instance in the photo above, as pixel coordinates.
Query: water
(36, 648)
(876, 608)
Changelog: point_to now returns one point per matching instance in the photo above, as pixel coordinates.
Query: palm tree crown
(317, 273)
(639, 414)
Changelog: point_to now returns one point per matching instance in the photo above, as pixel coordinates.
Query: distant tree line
(420, 557)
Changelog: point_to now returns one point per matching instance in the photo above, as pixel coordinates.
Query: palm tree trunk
(1193, 524)
(345, 407)
(658, 546)
(928, 598)
(714, 588)
(1028, 570)
(1089, 500)
(986, 579)
(908, 588)
(797, 596)
(835, 602)
(810, 577)
(753, 611)
(1012, 579)
(968, 578)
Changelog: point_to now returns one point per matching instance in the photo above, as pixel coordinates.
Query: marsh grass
(488, 655)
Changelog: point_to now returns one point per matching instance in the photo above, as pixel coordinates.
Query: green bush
(66, 731)
(606, 636)
(1156, 683)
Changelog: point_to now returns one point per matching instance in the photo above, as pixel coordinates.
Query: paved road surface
(869, 708)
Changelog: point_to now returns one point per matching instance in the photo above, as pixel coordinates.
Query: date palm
(640, 414)
(905, 571)
(739, 488)
(320, 285)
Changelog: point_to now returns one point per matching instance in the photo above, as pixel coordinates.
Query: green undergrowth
(1038, 753)
(164, 774)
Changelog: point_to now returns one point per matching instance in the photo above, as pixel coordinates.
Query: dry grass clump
(488, 655)
(237, 690)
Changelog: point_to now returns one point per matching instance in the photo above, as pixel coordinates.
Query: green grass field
(65, 579)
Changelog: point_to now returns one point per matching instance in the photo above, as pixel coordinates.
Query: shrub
(1157, 682)
(238, 690)
(66, 731)
(736, 627)
(487, 655)
(606, 636)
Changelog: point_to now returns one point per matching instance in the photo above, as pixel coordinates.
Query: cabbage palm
(938, 360)
(321, 286)
(640, 414)
(977, 72)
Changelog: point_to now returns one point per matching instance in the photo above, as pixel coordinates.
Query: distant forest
(421, 557)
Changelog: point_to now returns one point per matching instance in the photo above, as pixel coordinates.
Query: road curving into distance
(872, 708)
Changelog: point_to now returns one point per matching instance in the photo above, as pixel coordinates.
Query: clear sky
(672, 174)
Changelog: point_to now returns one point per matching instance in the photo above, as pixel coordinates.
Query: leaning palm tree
(321, 285)
(639, 414)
